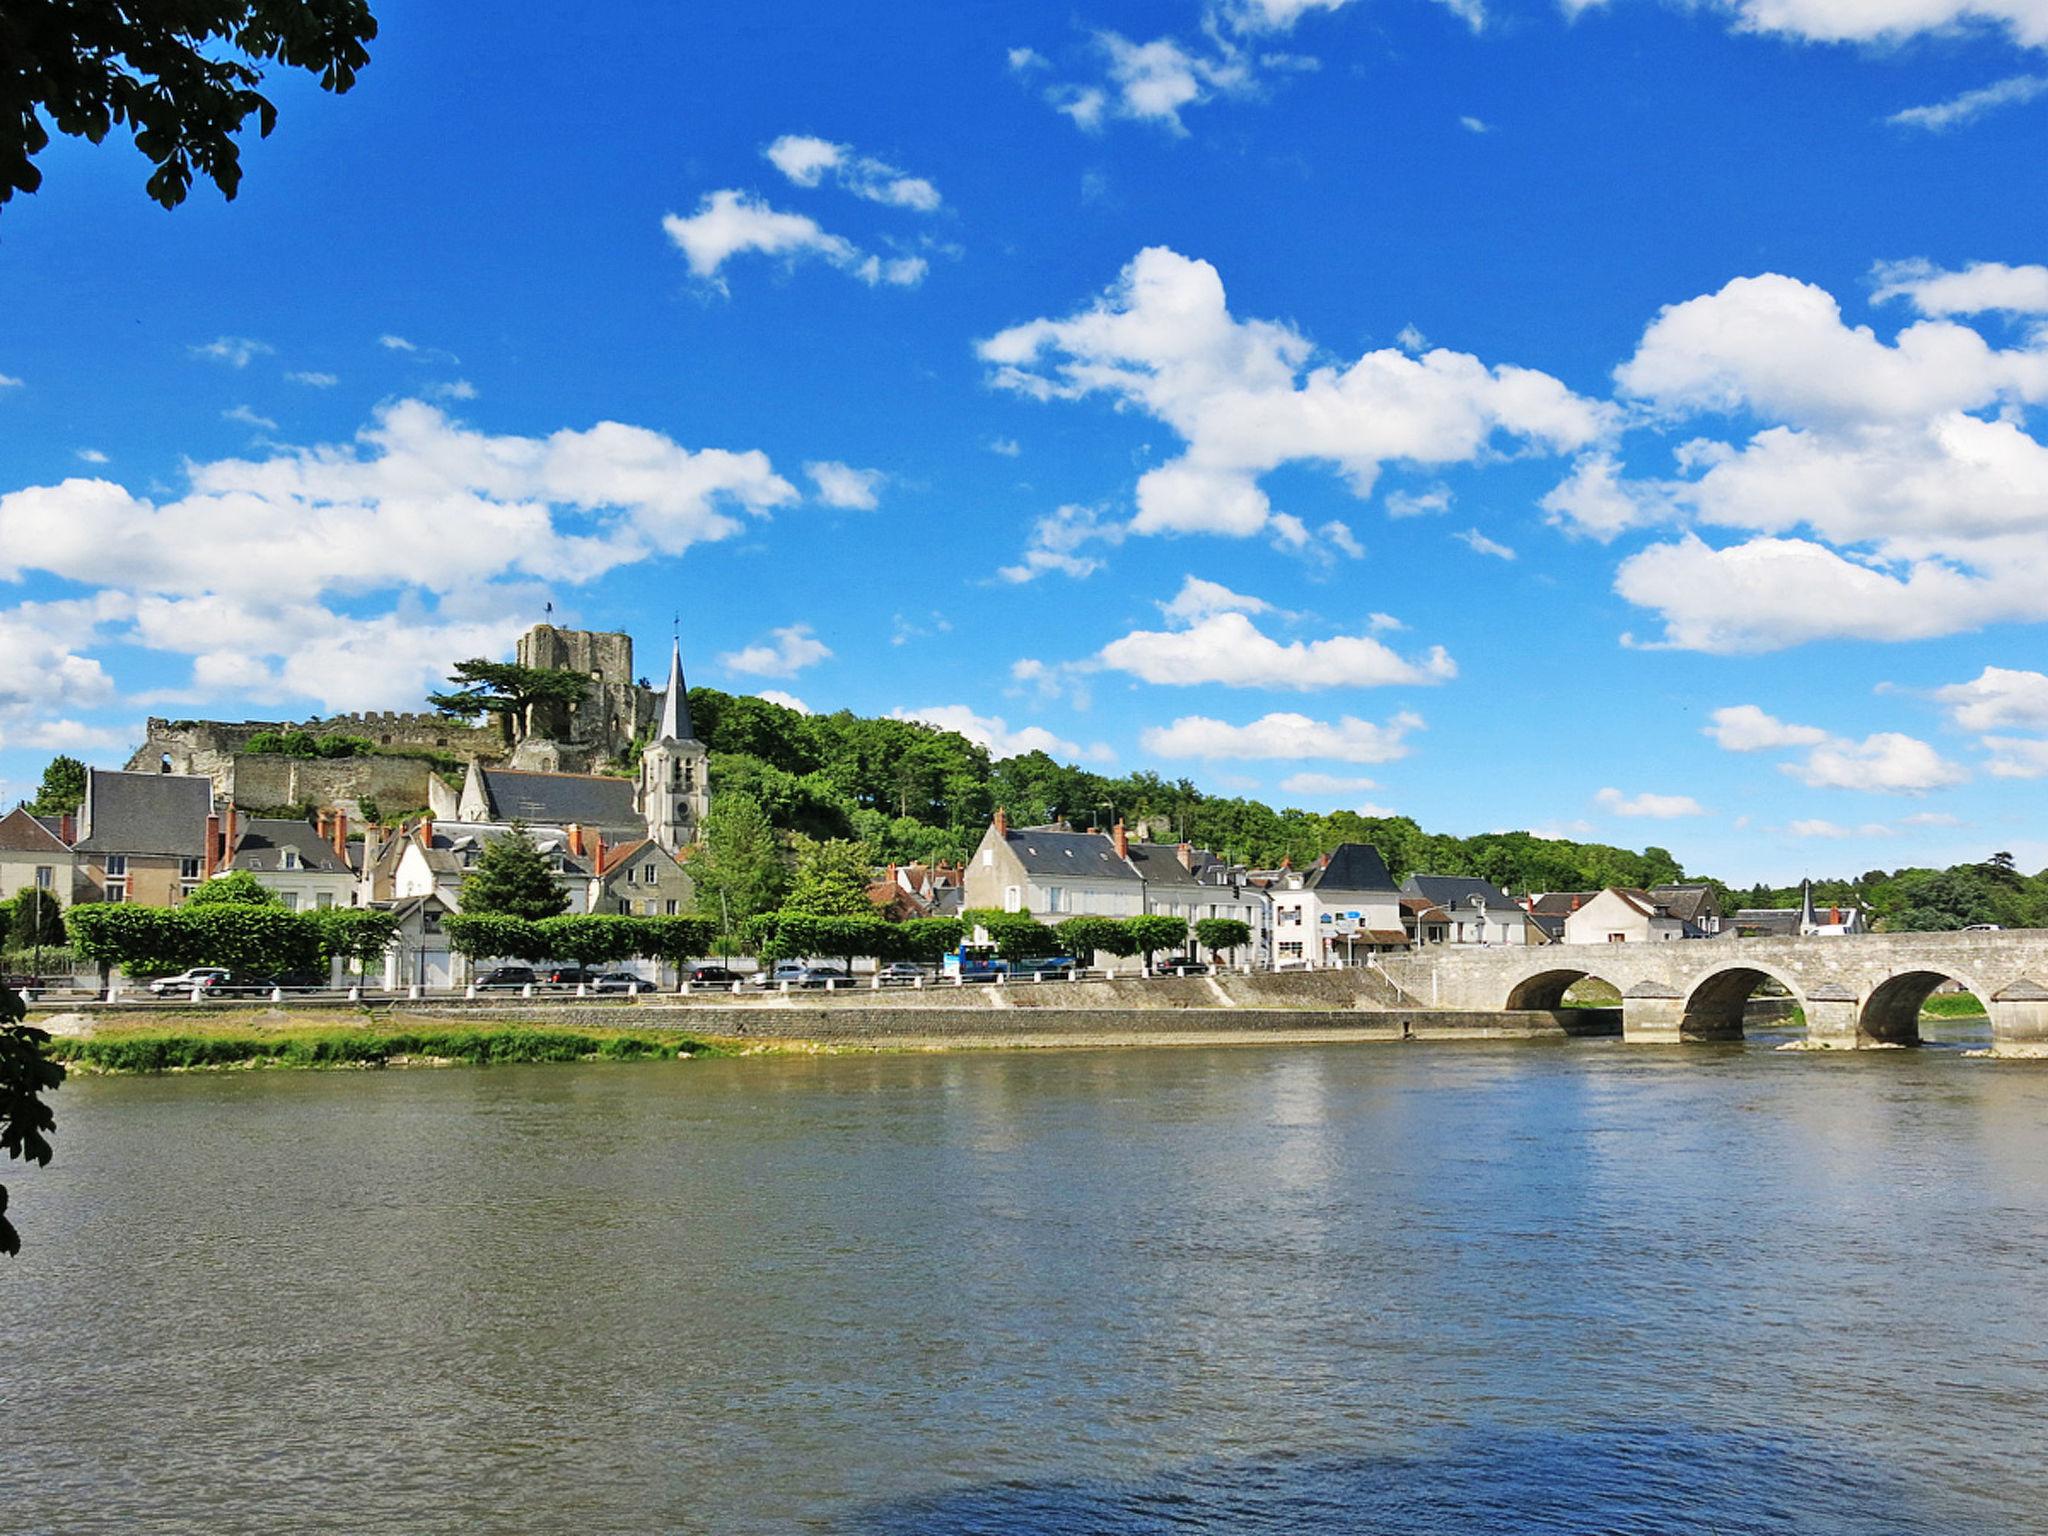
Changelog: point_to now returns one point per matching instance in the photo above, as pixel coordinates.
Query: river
(1423, 1290)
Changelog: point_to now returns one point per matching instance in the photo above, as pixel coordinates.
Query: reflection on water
(1423, 1289)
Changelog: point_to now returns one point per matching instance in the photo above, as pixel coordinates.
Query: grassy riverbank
(157, 1045)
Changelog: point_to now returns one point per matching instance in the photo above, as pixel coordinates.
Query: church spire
(675, 707)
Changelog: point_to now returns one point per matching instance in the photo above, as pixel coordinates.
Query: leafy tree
(237, 885)
(513, 878)
(1155, 931)
(63, 786)
(354, 935)
(140, 940)
(591, 940)
(37, 922)
(738, 869)
(182, 77)
(1222, 935)
(674, 941)
(926, 939)
(1087, 937)
(832, 880)
(26, 1074)
(493, 936)
(507, 690)
(248, 936)
(1016, 935)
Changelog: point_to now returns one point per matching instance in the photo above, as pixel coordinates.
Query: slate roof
(1080, 855)
(452, 839)
(1686, 901)
(1559, 904)
(1766, 922)
(147, 813)
(591, 799)
(23, 833)
(1160, 864)
(1422, 909)
(261, 840)
(1458, 890)
(1352, 867)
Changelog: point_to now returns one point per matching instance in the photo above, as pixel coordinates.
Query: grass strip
(165, 1051)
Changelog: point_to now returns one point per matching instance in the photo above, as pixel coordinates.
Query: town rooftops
(1766, 923)
(261, 842)
(145, 813)
(590, 799)
(1352, 867)
(1459, 891)
(1056, 851)
(22, 833)
(1559, 904)
(1160, 864)
(1689, 902)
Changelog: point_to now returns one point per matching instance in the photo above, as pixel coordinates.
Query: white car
(201, 976)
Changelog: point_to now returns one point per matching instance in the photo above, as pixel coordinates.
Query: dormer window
(290, 859)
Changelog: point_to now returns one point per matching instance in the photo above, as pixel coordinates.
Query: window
(670, 906)
(46, 876)
(1054, 895)
(1013, 899)
(988, 858)
(647, 874)
(630, 872)
(1617, 938)
(188, 869)
(117, 877)
(290, 900)
(647, 907)
(324, 900)
(1290, 951)
(290, 860)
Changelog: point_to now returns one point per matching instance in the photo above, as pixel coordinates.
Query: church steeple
(675, 707)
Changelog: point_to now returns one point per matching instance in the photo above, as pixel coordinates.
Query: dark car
(1180, 965)
(241, 984)
(506, 976)
(715, 975)
(619, 981)
(568, 976)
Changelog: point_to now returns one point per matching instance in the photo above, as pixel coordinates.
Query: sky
(1616, 418)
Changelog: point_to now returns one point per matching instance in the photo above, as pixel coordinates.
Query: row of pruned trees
(1019, 936)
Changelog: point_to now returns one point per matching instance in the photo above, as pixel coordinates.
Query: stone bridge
(1856, 991)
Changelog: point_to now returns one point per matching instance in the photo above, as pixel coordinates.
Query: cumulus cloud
(996, 734)
(235, 351)
(1227, 648)
(1654, 807)
(1197, 599)
(841, 485)
(789, 651)
(1242, 396)
(807, 161)
(1874, 21)
(786, 700)
(1983, 287)
(1746, 728)
(1939, 116)
(1998, 698)
(1057, 543)
(1480, 544)
(1282, 736)
(313, 380)
(1325, 784)
(1886, 762)
(731, 223)
(2016, 757)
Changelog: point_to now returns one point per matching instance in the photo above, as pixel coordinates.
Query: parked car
(567, 975)
(202, 976)
(499, 976)
(824, 976)
(1181, 965)
(791, 971)
(243, 984)
(619, 981)
(799, 973)
(716, 975)
(900, 973)
(304, 981)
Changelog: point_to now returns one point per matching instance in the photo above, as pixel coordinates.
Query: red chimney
(1187, 856)
(67, 828)
(1575, 903)
(212, 845)
(1123, 842)
(596, 852)
(1002, 822)
(227, 836)
(341, 835)
(1322, 861)
(576, 838)
(426, 831)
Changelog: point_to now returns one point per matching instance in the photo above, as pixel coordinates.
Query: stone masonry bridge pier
(1856, 991)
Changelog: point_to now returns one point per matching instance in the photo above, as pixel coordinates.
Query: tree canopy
(513, 878)
(506, 690)
(183, 78)
(62, 790)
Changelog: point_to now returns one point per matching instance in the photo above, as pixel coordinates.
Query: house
(419, 955)
(905, 891)
(639, 879)
(1549, 911)
(142, 837)
(1694, 904)
(36, 854)
(438, 855)
(1054, 872)
(1184, 881)
(1803, 921)
(1345, 907)
(1475, 911)
(1425, 921)
(304, 864)
(1622, 916)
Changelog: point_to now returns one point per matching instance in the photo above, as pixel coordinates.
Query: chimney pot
(212, 845)
(341, 835)
(67, 827)
(426, 831)
(1123, 842)
(596, 852)
(1002, 822)
(576, 838)
(1187, 856)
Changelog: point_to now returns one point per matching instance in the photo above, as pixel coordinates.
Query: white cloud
(1746, 728)
(1197, 599)
(1284, 735)
(9, 381)
(1480, 544)
(392, 343)
(2016, 757)
(786, 700)
(793, 649)
(1983, 287)
(807, 161)
(1875, 21)
(1023, 61)
(1418, 503)
(841, 485)
(1228, 648)
(235, 351)
(1008, 447)
(454, 389)
(1652, 806)
(1998, 698)
(1383, 623)
(1597, 501)
(248, 418)
(1057, 540)
(731, 223)
(995, 733)
(1474, 125)
(1817, 827)
(1887, 763)
(90, 456)
(1939, 116)
(1324, 785)
(1245, 400)
(313, 380)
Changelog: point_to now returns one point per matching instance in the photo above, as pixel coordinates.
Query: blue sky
(1619, 419)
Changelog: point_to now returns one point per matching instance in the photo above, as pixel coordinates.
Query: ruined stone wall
(395, 783)
(613, 710)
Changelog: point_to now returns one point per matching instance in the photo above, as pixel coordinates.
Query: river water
(1423, 1290)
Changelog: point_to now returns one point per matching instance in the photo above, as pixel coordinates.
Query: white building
(303, 864)
(1341, 911)
(1618, 916)
(1474, 911)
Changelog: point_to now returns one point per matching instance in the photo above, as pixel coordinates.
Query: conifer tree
(513, 878)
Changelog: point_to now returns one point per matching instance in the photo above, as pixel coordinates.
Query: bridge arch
(1890, 1014)
(1714, 1003)
(1546, 989)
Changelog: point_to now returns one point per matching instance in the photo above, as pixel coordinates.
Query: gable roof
(591, 799)
(1160, 864)
(1449, 891)
(22, 833)
(1686, 901)
(1078, 855)
(260, 843)
(1352, 867)
(1559, 904)
(145, 813)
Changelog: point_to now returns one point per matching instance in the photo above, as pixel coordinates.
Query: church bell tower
(675, 781)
